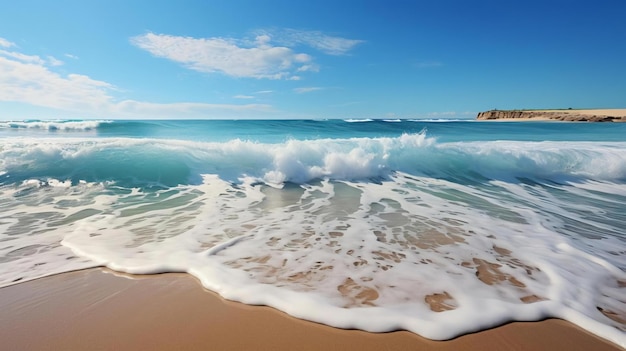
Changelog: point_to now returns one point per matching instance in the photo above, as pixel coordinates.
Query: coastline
(569, 115)
(100, 309)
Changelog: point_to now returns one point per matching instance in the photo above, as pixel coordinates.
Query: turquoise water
(274, 131)
(178, 152)
(356, 224)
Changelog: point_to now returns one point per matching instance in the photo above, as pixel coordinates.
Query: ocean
(439, 227)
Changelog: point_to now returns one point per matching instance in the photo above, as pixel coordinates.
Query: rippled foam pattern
(372, 232)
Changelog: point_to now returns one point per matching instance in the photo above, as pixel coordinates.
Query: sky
(285, 59)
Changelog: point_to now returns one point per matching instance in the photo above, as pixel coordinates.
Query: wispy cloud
(54, 62)
(21, 57)
(5, 43)
(327, 44)
(237, 58)
(306, 89)
(243, 97)
(264, 92)
(31, 80)
(34, 59)
(309, 68)
(269, 55)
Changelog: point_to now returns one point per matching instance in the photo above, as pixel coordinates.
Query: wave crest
(174, 162)
(52, 125)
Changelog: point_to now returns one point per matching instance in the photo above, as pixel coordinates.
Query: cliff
(556, 115)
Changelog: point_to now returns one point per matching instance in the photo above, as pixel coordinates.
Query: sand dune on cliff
(581, 115)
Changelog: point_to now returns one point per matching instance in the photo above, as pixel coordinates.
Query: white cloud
(306, 89)
(258, 59)
(311, 68)
(21, 57)
(243, 97)
(54, 62)
(26, 58)
(264, 92)
(28, 79)
(74, 57)
(325, 43)
(5, 43)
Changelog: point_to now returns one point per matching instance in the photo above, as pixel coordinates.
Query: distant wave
(399, 120)
(351, 120)
(52, 125)
(441, 120)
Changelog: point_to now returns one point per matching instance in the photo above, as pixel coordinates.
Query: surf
(437, 237)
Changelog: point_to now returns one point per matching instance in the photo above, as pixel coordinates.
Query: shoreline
(101, 309)
(569, 115)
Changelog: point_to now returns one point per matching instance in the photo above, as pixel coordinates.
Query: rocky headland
(606, 115)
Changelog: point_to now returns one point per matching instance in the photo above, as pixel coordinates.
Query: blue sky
(307, 59)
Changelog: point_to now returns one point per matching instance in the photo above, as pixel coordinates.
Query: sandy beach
(98, 310)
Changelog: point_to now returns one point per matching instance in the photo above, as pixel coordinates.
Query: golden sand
(97, 310)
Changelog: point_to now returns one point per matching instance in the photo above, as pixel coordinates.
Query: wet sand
(98, 310)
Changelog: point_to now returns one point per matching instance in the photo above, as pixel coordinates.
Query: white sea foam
(34, 218)
(376, 257)
(357, 120)
(178, 162)
(421, 247)
(62, 125)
